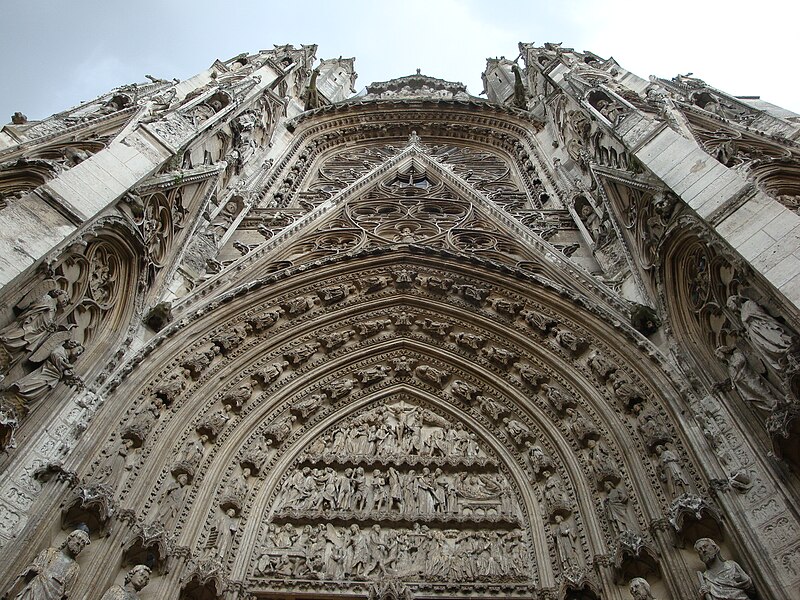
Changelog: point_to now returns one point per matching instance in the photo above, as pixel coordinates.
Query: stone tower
(270, 339)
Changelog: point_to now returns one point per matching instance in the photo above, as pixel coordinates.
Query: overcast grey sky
(57, 53)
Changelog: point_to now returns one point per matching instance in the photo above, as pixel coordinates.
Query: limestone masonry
(261, 337)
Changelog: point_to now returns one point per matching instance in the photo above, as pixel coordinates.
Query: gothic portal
(262, 338)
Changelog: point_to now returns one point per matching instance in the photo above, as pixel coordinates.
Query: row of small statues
(336, 553)
(410, 493)
(53, 574)
(399, 439)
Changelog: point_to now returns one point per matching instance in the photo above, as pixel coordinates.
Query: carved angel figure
(57, 356)
(745, 380)
(37, 321)
(54, 571)
(771, 339)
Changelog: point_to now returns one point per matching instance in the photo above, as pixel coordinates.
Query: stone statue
(769, 338)
(223, 532)
(722, 579)
(52, 574)
(671, 472)
(517, 430)
(135, 581)
(554, 494)
(36, 322)
(745, 380)
(113, 469)
(57, 355)
(640, 589)
(538, 459)
(565, 538)
(171, 500)
(618, 509)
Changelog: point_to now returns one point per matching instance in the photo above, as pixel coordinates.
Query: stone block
(784, 222)
(660, 143)
(114, 169)
(775, 254)
(791, 289)
(755, 245)
(784, 271)
(713, 178)
(677, 161)
(30, 231)
(717, 194)
(74, 198)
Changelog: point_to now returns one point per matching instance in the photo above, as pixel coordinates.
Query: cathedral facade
(264, 338)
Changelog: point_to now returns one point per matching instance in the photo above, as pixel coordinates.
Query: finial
(419, 71)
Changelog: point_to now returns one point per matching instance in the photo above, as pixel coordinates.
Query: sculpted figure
(36, 322)
(531, 376)
(554, 493)
(745, 380)
(671, 472)
(565, 539)
(372, 374)
(500, 356)
(770, 338)
(649, 424)
(308, 405)
(491, 408)
(617, 508)
(224, 530)
(235, 399)
(114, 468)
(57, 366)
(581, 428)
(570, 341)
(193, 450)
(469, 340)
(601, 366)
(592, 221)
(280, 429)
(722, 579)
(269, 374)
(640, 589)
(171, 500)
(369, 328)
(432, 375)
(538, 459)
(54, 571)
(135, 581)
(518, 430)
(559, 399)
(603, 463)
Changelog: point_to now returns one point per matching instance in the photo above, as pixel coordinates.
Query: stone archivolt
(415, 346)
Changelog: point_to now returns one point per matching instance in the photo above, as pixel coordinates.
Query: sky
(58, 53)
